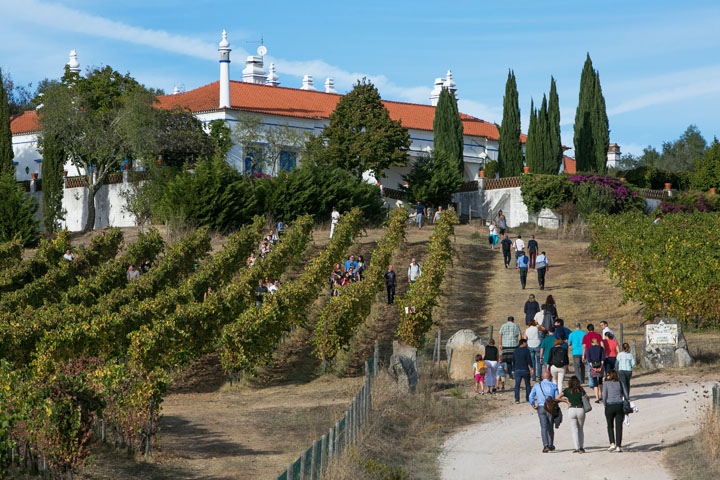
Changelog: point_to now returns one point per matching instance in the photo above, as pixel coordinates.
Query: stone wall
(109, 207)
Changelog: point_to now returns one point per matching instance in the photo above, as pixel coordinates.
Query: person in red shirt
(611, 350)
(587, 343)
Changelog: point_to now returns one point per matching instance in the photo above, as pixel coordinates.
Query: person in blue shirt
(523, 366)
(522, 264)
(575, 339)
(419, 212)
(351, 261)
(562, 332)
(540, 392)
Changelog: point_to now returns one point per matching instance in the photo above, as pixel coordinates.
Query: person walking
(624, 366)
(419, 212)
(491, 357)
(605, 328)
(532, 335)
(542, 266)
(493, 235)
(613, 397)
(558, 362)
(506, 246)
(390, 282)
(522, 363)
(532, 250)
(334, 219)
(519, 247)
(414, 271)
(551, 306)
(540, 392)
(595, 356)
(587, 343)
(573, 396)
(611, 351)
(501, 222)
(522, 266)
(547, 344)
(479, 369)
(531, 308)
(576, 349)
(438, 214)
(509, 337)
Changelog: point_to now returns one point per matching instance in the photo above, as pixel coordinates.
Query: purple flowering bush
(691, 202)
(621, 196)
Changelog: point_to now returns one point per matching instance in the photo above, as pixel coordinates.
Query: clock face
(262, 50)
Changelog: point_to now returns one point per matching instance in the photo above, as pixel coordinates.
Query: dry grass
(698, 457)
(406, 432)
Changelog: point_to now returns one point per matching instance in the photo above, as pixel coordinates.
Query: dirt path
(662, 420)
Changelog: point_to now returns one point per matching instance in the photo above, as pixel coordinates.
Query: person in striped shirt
(624, 365)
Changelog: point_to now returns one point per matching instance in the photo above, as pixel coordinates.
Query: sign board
(661, 334)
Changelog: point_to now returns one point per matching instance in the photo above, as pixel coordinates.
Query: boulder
(666, 354)
(461, 349)
(402, 370)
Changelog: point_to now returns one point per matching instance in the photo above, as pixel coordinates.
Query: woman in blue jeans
(534, 338)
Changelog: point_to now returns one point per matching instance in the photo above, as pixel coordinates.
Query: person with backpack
(562, 332)
(519, 246)
(558, 362)
(532, 250)
(573, 396)
(613, 399)
(542, 266)
(546, 346)
(479, 371)
(551, 306)
(522, 264)
(595, 356)
(506, 245)
(542, 393)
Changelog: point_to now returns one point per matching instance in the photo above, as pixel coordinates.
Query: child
(501, 376)
(480, 369)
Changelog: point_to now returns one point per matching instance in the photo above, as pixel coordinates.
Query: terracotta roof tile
(569, 165)
(298, 103)
(24, 122)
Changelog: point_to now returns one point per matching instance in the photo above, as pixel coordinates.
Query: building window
(288, 160)
(253, 161)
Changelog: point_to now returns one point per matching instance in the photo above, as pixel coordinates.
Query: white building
(303, 108)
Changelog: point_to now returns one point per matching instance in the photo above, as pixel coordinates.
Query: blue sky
(658, 59)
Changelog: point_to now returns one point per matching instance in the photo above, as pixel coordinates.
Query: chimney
(307, 83)
(330, 85)
(435, 93)
(176, 90)
(272, 78)
(254, 71)
(73, 62)
(449, 83)
(224, 49)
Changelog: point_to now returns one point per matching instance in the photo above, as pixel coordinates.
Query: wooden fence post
(336, 438)
(149, 435)
(620, 335)
(376, 358)
(331, 444)
(323, 454)
(303, 459)
(439, 349)
(290, 472)
(490, 332)
(313, 461)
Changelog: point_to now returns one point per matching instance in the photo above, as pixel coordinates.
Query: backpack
(548, 320)
(557, 357)
(481, 367)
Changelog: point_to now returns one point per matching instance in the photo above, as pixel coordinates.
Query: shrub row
(48, 254)
(340, 317)
(10, 253)
(416, 306)
(672, 267)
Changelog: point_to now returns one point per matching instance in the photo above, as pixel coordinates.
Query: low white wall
(109, 207)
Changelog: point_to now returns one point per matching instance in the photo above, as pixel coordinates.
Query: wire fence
(315, 462)
(716, 398)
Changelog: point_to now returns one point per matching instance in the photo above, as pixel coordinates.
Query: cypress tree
(531, 151)
(510, 156)
(583, 136)
(448, 129)
(543, 133)
(600, 127)
(556, 149)
(52, 183)
(6, 151)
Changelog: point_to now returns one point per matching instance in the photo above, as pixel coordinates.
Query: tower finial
(73, 63)
(449, 82)
(224, 49)
(272, 77)
(330, 85)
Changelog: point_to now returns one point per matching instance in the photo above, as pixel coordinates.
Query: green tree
(707, 168)
(433, 179)
(17, 212)
(53, 186)
(221, 137)
(649, 158)
(553, 113)
(532, 158)
(592, 135)
(361, 136)
(98, 121)
(6, 151)
(510, 155)
(683, 153)
(448, 129)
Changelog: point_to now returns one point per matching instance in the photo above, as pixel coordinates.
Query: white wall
(109, 205)
(26, 156)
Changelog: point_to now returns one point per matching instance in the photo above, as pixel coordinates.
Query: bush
(609, 195)
(17, 212)
(690, 202)
(545, 191)
(491, 168)
(314, 191)
(655, 178)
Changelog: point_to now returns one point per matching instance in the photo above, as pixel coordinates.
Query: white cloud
(485, 112)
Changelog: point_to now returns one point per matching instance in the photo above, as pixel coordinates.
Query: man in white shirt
(606, 329)
(436, 218)
(273, 287)
(519, 246)
(69, 256)
(414, 271)
(334, 219)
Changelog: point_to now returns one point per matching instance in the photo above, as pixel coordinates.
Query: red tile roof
(290, 102)
(293, 102)
(569, 164)
(24, 122)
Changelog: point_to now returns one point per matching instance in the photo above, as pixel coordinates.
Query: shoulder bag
(587, 406)
(551, 405)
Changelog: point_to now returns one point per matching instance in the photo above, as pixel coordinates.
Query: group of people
(265, 285)
(133, 273)
(353, 271)
(540, 356)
